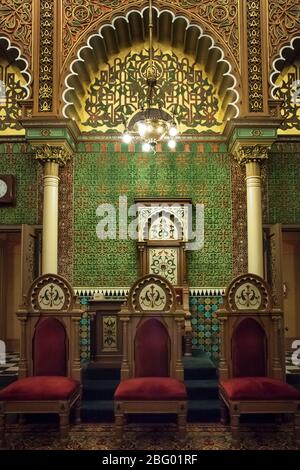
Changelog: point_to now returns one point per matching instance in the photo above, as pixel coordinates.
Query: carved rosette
(55, 154)
(252, 153)
(254, 46)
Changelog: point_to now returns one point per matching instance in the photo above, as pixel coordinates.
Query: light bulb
(127, 138)
(142, 129)
(146, 147)
(149, 128)
(160, 129)
(172, 143)
(173, 131)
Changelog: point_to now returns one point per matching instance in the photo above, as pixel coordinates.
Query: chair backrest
(50, 348)
(152, 322)
(50, 316)
(152, 349)
(249, 349)
(251, 331)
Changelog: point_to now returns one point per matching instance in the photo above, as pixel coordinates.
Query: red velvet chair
(49, 372)
(152, 370)
(252, 362)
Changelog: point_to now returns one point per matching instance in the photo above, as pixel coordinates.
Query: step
(99, 389)
(203, 411)
(197, 368)
(97, 411)
(202, 389)
(95, 371)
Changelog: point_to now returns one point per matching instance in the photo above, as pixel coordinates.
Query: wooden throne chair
(152, 370)
(49, 370)
(252, 363)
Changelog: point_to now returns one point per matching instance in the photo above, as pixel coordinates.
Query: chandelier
(151, 124)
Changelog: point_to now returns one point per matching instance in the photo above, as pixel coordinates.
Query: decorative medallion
(51, 297)
(50, 292)
(152, 297)
(247, 297)
(152, 293)
(164, 261)
(248, 292)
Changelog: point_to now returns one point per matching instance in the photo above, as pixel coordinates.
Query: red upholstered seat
(151, 388)
(258, 388)
(40, 388)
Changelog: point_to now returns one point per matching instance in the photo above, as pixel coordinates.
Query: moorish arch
(15, 81)
(115, 44)
(285, 85)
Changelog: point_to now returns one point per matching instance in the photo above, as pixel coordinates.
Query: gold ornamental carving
(254, 45)
(16, 21)
(54, 154)
(46, 55)
(251, 153)
(284, 23)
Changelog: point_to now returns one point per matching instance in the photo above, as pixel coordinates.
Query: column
(251, 157)
(51, 158)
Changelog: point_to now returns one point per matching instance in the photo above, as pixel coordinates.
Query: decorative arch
(14, 55)
(285, 57)
(175, 30)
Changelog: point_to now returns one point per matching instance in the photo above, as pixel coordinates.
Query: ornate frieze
(81, 14)
(46, 56)
(16, 22)
(55, 154)
(251, 153)
(254, 46)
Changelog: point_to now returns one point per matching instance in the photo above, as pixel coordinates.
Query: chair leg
(235, 429)
(119, 422)
(2, 430)
(297, 429)
(224, 412)
(78, 412)
(64, 426)
(181, 424)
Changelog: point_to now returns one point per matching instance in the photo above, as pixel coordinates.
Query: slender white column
(254, 219)
(50, 218)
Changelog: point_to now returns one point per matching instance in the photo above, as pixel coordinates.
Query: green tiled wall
(17, 160)
(283, 170)
(105, 171)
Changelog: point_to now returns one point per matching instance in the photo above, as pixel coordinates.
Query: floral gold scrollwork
(284, 22)
(252, 153)
(109, 327)
(56, 154)
(46, 56)
(80, 14)
(254, 56)
(16, 21)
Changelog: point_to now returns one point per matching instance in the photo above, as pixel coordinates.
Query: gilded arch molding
(127, 30)
(221, 21)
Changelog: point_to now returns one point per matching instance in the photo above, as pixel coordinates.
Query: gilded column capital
(251, 153)
(54, 154)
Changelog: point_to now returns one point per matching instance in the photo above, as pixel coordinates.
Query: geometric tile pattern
(17, 159)
(284, 183)
(205, 324)
(85, 340)
(105, 171)
(11, 365)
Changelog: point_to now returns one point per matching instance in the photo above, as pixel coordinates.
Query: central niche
(118, 90)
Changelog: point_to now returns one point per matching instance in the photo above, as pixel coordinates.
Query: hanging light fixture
(151, 123)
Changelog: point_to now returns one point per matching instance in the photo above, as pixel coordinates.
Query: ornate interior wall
(103, 172)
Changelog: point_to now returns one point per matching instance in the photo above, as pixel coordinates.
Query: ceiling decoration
(16, 22)
(169, 30)
(284, 23)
